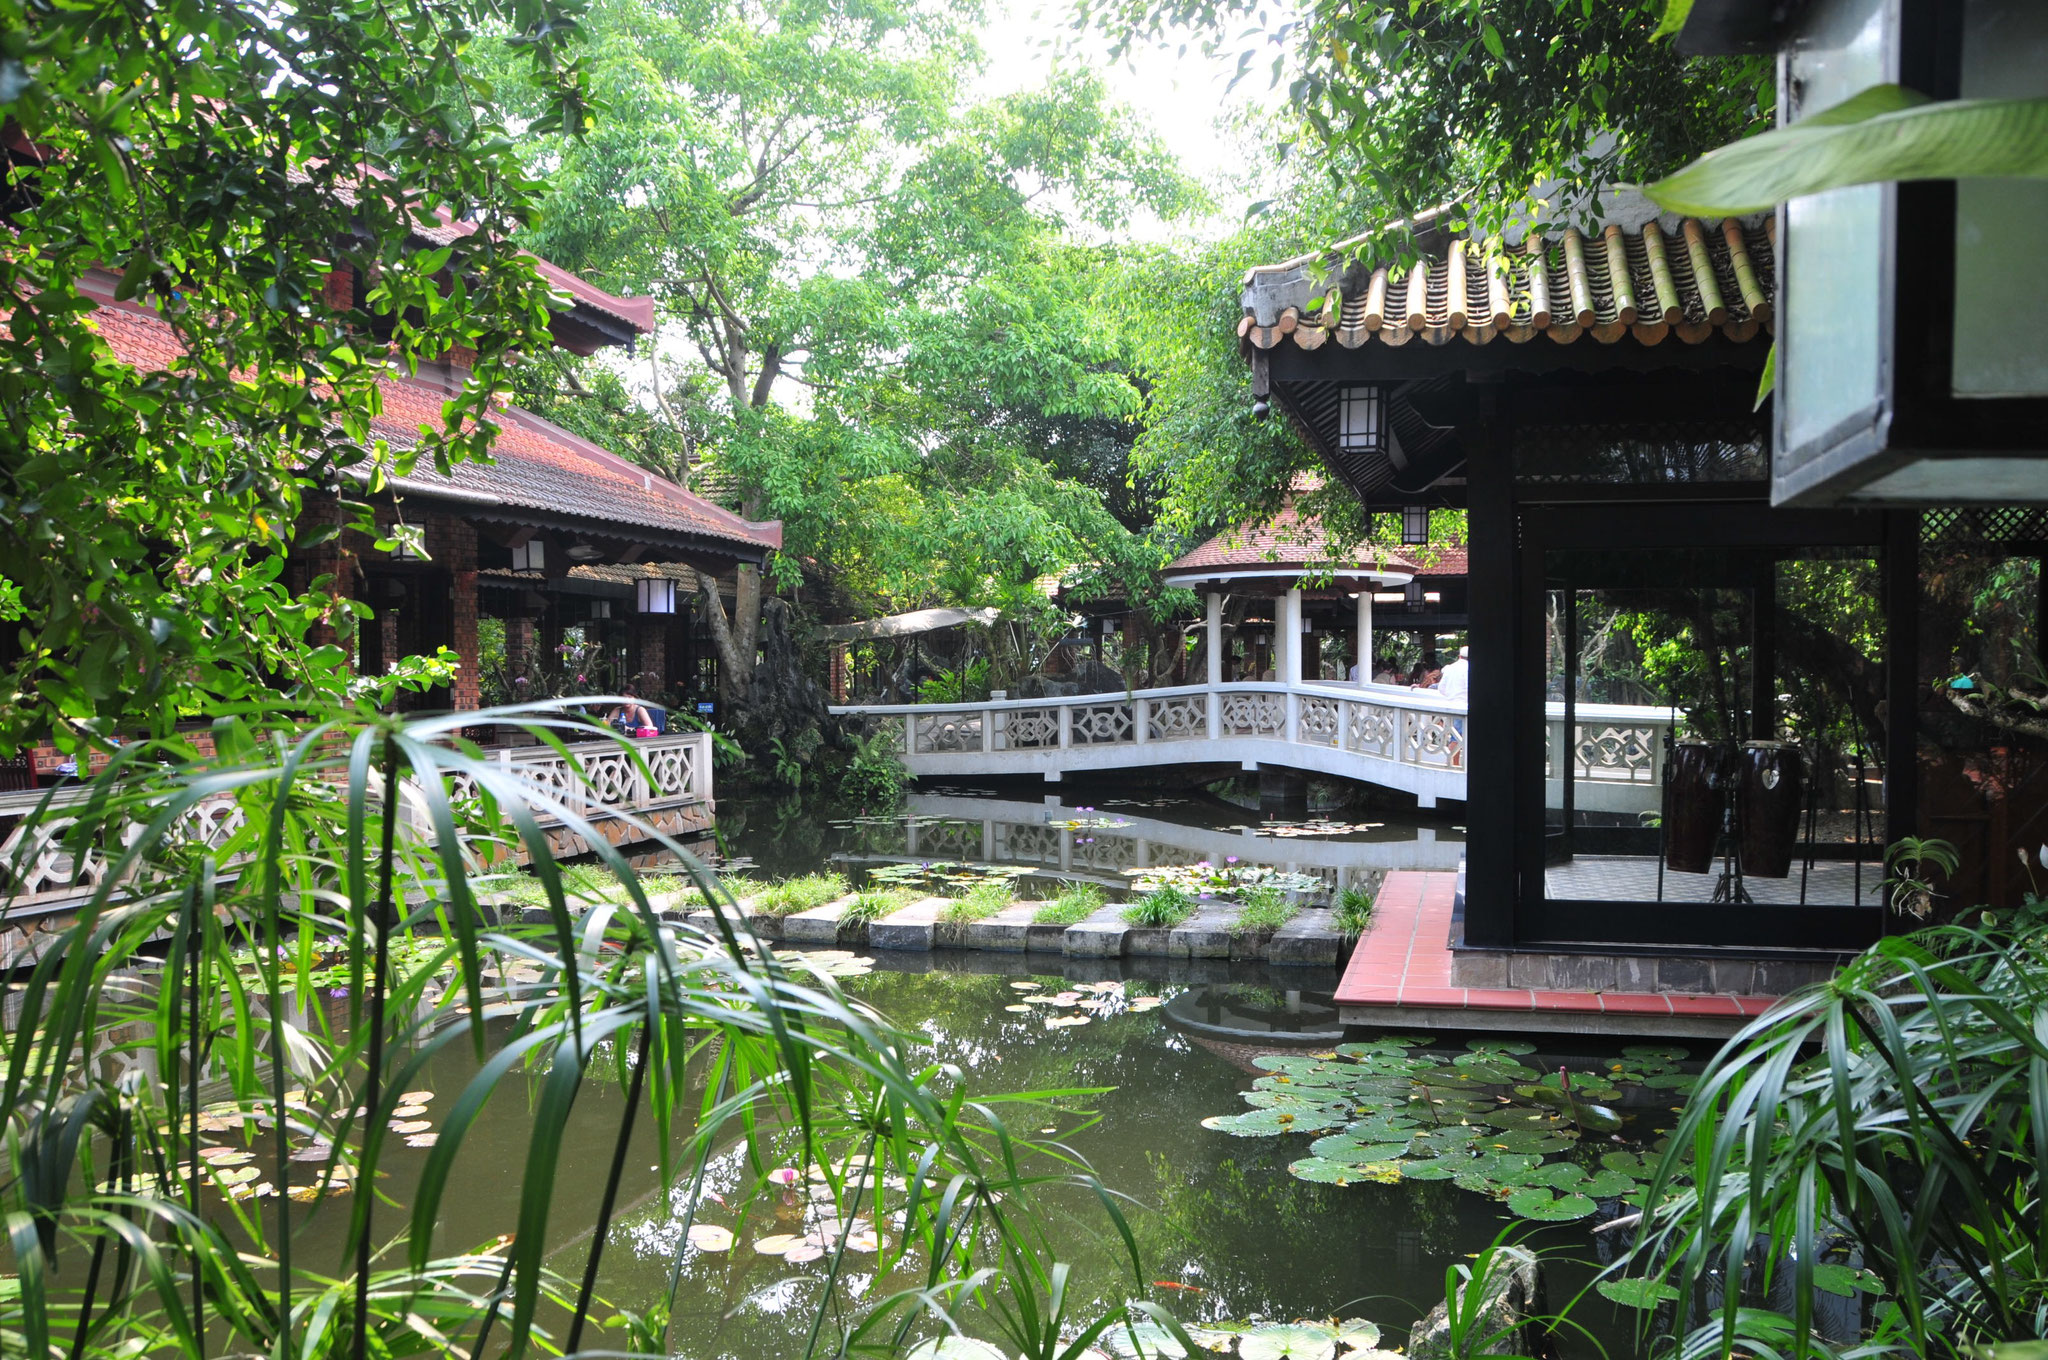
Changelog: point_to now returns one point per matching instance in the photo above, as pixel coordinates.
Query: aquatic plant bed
(1309, 940)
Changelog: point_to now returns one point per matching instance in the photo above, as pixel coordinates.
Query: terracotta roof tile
(1665, 277)
(536, 465)
(1286, 540)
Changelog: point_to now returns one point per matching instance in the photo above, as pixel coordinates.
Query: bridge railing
(1615, 748)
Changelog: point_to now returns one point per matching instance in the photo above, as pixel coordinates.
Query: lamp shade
(657, 595)
(1415, 524)
(1362, 419)
(531, 555)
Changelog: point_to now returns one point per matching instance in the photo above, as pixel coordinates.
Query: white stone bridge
(1396, 738)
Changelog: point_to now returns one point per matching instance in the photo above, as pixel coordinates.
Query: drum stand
(1729, 887)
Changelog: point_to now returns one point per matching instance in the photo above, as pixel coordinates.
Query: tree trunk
(735, 661)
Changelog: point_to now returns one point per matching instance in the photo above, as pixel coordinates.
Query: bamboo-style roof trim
(1683, 278)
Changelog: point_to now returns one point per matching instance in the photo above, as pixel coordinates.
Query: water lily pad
(410, 1125)
(1633, 1164)
(1844, 1281)
(1434, 1168)
(1557, 1175)
(408, 1112)
(1605, 1184)
(784, 1175)
(1440, 1141)
(1323, 1171)
(1672, 1081)
(1146, 1003)
(1291, 1100)
(1357, 1334)
(1597, 1118)
(776, 1244)
(1637, 1292)
(1382, 1128)
(804, 1252)
(1545, 1206)
(1655, 1053)
(422, 1140)
(1025, 986)
(1515, 1046)
(1525, 1140)
(1266, 1123)
(1021, 1010)
(1342, 1147)
(710, 1237)
(1065, 1021)
(417, 1097)
(1138, 1341)
(1289, 1341)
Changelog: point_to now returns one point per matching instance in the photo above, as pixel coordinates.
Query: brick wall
(451, 542)
(650, 653)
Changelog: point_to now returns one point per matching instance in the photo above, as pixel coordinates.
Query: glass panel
(1831, 284)
(1998, 222)
(1726, 719)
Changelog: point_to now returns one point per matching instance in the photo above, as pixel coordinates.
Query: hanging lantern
(600, 609)
(1415, 524)
(1413, 595)
(657, 595)
(530, 556)
(1362, 419)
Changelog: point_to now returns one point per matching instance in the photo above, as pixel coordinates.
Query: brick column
(650, 653)
(520, 641)
(452, 542)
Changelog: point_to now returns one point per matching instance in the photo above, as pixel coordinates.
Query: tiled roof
(1441, 559)
(536, 466)
(1286, 540)
(1647, 282)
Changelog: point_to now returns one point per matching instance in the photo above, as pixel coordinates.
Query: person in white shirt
(1457, 677)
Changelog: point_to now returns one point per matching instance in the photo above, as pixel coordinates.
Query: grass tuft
(1162, 908)
(802, 893)
(875, 903)
(1354, 911)
(1265, 910)
(982, 900)
(1075, 904)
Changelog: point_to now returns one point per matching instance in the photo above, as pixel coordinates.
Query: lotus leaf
(1637, 1292)
(1525, 1140)
(1628, 1164)
(1289, 1341)
(1605, 1184)
(1382, 1128)
(1323, 1171)
(1289, 1100)
(1357, 1334)
(1557, 1175)
(1434, 1168)
(1538, 1203)
(1585, 1086)
(1832, 1278)
(1441, 1142)
(1654, 1053)
(1342, 1147)
(959, 1348)
(1597, 1118)
(1133, 1341)
(1266, 1123)
(1510, 1168)
(1495, 1074)
(1477, 1181)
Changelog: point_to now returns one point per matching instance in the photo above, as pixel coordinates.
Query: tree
(219, 163)
(874, 304)
(1482, 103)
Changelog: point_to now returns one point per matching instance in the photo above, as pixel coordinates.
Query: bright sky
(1183, 96)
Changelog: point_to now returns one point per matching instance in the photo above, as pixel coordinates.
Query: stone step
(819, 925)
(1006, 932)
(913, 927)
(1101, 936)
(1308, 941)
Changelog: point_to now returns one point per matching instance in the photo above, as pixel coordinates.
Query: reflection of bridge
(1404, 739)
(1060, 842)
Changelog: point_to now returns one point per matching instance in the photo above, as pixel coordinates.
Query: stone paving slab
(1006, 932)
(1101, 936)
(1205, 935)
(819, 925)
(1308, 941)
(912, 927)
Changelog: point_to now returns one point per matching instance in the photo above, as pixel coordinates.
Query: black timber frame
(1495, 387)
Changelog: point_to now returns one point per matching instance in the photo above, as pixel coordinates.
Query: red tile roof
(1440, 559)
(1286, 540)
(536, 466)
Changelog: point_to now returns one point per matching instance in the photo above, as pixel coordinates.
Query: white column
(1365, 635)
(1215, 637)
(1289, 633)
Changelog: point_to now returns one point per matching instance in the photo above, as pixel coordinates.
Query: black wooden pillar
(1494, 755)
(1902, 674)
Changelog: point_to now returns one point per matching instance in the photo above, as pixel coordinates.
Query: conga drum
(1692, 808)
(1767, 792)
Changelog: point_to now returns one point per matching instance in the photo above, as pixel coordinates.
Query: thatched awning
(906, 625)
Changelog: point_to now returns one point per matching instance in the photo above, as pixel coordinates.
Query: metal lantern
(600, 609)
(1413, 594)
(1362, 419)
(530, 556)
(657, 595)
(1912, 368)
(1415, 524)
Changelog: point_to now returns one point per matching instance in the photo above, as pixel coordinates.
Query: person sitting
(632, 717)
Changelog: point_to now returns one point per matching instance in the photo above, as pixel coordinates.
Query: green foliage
(1162, 908)
(1481, 103)
(1893, 1114)
(145, 512)
(873, 904)
(1353, 912)
(1265, 910)
(875, 775)
(967, 685)
(105, 1166)
(1075, 904)
(982, 900)
(1880, 134)
(801, 893)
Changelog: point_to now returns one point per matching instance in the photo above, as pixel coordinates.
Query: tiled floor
(1633, 878)
(1401, 973)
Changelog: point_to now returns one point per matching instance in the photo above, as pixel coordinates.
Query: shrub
(1265, 910)
(1354, 911)
(874, 903)
(802, 893)
(875, 775)
(983, 899)
(1162, 908)
(968, 685)
(1076, 903)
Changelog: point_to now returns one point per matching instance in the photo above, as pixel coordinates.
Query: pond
(1226, 1233)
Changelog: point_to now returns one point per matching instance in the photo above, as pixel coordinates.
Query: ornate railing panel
(1373, 730)
(1626, 752)
(1258, 714)
(1319, 721)
(1182, 719)
(947, 732)
(1103, 724)
(1436, 740)
(1028, 729)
